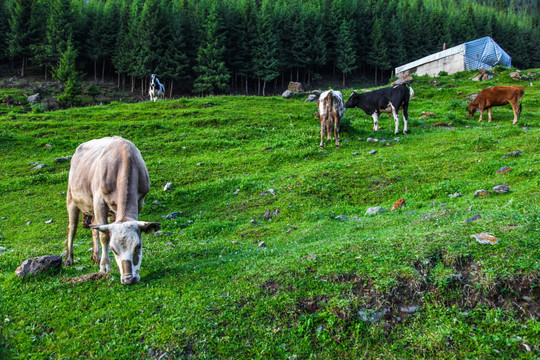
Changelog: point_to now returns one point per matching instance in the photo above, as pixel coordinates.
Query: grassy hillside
(330, 282)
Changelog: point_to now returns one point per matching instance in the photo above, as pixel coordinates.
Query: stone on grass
(474, 218)
(38, 264)
(2, 249)
(39, 166)
(372, 316)
(512, 154)
(255, 222)
(356, 153)
(481, 193)
(504, 170)
(272, 191)
(374, 210)
(34, 98)
(267, 215)
(409, 309)
(311, 98)
(237, 191)
(372, 152)
(262, 244)
(399, 203)
(49, 221)
(371, 140)
(455, 195)
(342, 218)
(173, 215)
(485, 238)
(501, 189)
(167, 186)
(62, 159)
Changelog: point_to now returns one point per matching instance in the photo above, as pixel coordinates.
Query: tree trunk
(170, 92)
(118, 80)
(264, 87)
(46, 72)
(375, 76)
(23, 67)
(132, 84)
(103, 72)
(343, 79)
(247, 90)
(95, 71)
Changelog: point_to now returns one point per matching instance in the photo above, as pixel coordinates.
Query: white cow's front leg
(375, 116)
(105, 264)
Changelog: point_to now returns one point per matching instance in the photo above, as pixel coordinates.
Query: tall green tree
(346, 56)
(21, 31)
(4, 29)
(212, 75)
(266, 50)
(66, 72)
(59, 30)
(378, 55)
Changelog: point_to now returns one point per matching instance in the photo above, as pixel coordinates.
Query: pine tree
(346, 56)
(21, 33)
(266, 49)
(4, 29)
(59, 30)
(378, 55)
(67, 74)
(212, 75)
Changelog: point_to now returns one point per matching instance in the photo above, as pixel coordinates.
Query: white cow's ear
(102, 228)
(149, 227)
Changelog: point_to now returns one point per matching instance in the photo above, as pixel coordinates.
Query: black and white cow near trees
(109, 175)
(331, 109)
(385, 100)
(157, 90)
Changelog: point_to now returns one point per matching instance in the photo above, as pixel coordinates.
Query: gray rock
(237, 191)
(267, 215)
(2, 249)
(481, 193)
(167, 186)
(272, 191)
(287, 94)
(410, 212)
(374, 210)
(342, 218)
(311, 98)
(262, 244)
(49, 221)
(474, 218)
(526, 128)
(255, 222)
(81, 268)
(372, 316)
(173, 215)
(39, 166)
(372, 152)
(356, 153)
(501, 189)
(34, 98)
(455, 195)
(371, 140)
(276, 212)
(409, 309)
(513, 154)
(427, 216)
(62, 159)
(38, 264)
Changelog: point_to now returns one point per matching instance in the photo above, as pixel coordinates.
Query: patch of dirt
(312, 304)
(85, 277)
(270, 287)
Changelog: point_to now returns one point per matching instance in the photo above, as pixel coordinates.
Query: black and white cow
(385, 100)
(157, 90)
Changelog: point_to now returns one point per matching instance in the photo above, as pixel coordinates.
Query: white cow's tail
(411, 92)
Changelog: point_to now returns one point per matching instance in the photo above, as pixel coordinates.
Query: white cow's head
(126, 245)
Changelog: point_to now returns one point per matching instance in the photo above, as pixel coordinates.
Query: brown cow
(331, 110)
(497, 96)
(109, 175)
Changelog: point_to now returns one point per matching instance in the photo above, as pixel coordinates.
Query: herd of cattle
(108, 176)
(392, 99)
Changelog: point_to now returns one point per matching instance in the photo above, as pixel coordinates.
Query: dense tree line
(248, 46)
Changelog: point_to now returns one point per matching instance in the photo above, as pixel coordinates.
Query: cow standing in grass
(331, 110)
(157, 90)
(497, 96)
(385, 100)
(108, 175)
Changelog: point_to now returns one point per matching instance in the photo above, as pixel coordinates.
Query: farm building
(476, 54)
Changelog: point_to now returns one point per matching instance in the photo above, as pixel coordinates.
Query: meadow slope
(329, 282)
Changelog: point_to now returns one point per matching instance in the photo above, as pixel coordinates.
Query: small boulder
(312, 98)
(374, 210)
(504, 170)
(342, 218)
(173, 215)
(474, 218)
(501, 189)
(39, 166)
(167, 186)
(399, 203)
(512, 154)
(295, 87)
(372, 152)
(38, 264)
(481, 193)
(371, 140)
(485, 238)
(455, 195)
(34, 98)
(262, 244)
(287, 94)
(62, 159)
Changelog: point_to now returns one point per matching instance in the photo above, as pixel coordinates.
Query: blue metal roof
(485, 53)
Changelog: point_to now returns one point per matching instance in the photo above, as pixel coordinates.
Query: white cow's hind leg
(375, 116)
(73, 221)
(396, 119)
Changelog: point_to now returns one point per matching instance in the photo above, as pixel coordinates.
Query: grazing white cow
(108, 175)
(331, 109)
(157, 90)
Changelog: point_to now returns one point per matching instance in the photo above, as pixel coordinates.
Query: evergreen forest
(205, 47)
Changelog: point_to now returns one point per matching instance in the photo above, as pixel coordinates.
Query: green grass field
(331, 282)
